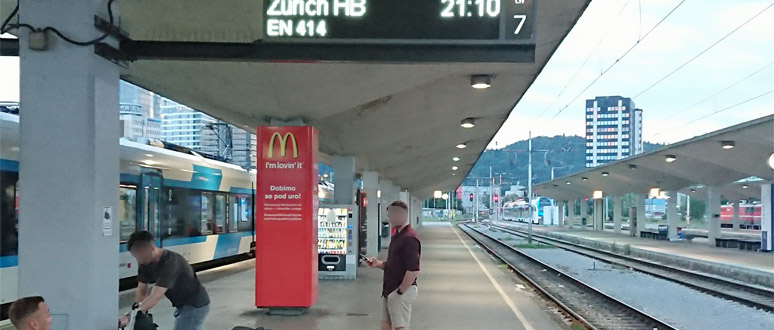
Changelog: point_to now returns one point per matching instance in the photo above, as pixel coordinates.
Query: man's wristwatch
(400, 293)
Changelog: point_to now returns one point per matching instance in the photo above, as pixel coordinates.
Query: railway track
(753, 296)
(584, 303)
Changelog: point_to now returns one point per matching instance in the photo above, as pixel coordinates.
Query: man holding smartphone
(399, 288)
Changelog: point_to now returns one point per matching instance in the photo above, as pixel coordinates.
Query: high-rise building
(613, 129)
(230, 143)
(135, 124)
(182, 125)
(149, 101)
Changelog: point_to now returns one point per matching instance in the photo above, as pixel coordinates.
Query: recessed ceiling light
(654, 192)
(468, 123)
(632, 167)
(727, 144)
(771, 161)
(456, 159)
(462, 145)
(454, 168)
(744, 186)
(149, 155)
(585, 179)
(693, 190)
(568, 182)
(480, 81)
(670, 158)
(605, 174)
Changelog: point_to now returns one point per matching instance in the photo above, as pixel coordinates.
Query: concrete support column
(344, 180)
(735, 221)
(767, 217)
(562, 217)
(671, 212)
(69, 169)
(371, 186)
(405, 197)
(571, 213)
(617, 214)
(584, 213)
(641, 213)
(416, 212)
(599, 214)
(713, 214)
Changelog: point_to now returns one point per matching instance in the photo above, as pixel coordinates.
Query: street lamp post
(529, 191)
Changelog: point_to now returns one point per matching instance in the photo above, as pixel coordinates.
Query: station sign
(436, 22)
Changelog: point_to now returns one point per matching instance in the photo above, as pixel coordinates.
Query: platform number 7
(521, 19)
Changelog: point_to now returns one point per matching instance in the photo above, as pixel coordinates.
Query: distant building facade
(135, 124)
(613, 129)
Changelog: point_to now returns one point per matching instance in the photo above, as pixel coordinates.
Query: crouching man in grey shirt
(174, 278)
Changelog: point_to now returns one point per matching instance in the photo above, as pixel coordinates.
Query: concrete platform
(456, 291)
(746, 266)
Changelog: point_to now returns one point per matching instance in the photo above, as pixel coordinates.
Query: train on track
(194, 205)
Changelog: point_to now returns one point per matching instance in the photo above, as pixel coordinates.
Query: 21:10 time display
(470, 8)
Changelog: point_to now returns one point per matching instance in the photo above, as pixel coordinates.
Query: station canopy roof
(400, 119)
(699, 163)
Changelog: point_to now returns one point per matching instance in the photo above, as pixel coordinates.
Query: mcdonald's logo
(283, 141)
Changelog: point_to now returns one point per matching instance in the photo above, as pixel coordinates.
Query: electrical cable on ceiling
(5, 27)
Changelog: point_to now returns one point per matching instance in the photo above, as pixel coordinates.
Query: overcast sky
(693, 27)
(603, 34)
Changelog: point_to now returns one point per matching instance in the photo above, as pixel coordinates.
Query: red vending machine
(286, 217)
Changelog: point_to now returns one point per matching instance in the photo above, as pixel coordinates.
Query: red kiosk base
(286, 219)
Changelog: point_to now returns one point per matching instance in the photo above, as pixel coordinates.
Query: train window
(127, 211)
(220, 213)
(8, 213)
(183, 214)
(207, 213)
(233, 218)
(245, 212)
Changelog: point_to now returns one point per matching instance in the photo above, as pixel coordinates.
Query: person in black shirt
(399, 287)
(173, 276)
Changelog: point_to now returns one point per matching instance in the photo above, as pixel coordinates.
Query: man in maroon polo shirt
(401, 268)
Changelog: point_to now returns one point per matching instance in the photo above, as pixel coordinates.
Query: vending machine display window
(337, 256)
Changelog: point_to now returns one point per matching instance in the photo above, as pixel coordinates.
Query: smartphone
(364, 257)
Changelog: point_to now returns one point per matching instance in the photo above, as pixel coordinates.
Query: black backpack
(144, 321)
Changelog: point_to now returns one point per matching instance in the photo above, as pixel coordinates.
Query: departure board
(400, 21)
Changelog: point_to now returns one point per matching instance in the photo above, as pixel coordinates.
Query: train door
(150, 204)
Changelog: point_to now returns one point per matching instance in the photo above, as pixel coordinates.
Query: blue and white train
(522, 212)
(196, 206)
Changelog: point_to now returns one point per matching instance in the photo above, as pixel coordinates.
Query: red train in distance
(749, 216)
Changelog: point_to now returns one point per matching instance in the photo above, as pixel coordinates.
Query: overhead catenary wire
(602, 39)
(705, 50)
(718, 111)
(759, 70)
(619, 59)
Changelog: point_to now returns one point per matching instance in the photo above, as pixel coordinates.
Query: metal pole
(475, 201)
(529, 191)
(491, 198)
